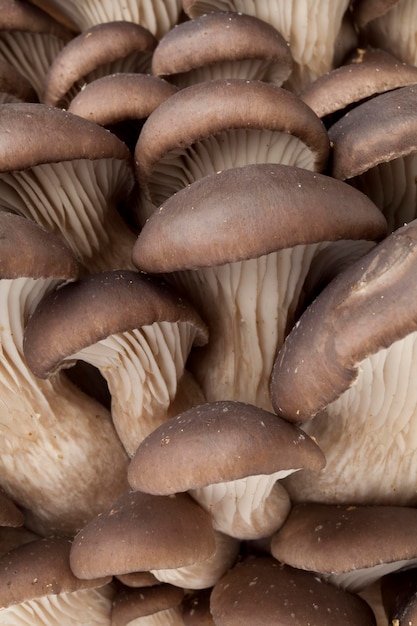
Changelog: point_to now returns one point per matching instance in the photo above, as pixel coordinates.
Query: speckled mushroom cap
(270, 203)
(122, 301)
(350, 545)
(132, 604)
(369, 73)
(365, 309)
(222, 44)
(261, 591)
(158, 16)
(100, 50)
(219, 442)
(40, 568)
(143, 532)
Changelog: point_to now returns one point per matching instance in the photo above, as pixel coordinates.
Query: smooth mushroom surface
(14, 87)
(350, 546)
(98, 51)
(136, 330)
(149, 606)
(222, 44)
(383, 163)
(242, 244)
(229, 457)
(178, 145)
(37, 587)
(353, 372)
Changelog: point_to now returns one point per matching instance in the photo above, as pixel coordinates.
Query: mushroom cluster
(208, 314)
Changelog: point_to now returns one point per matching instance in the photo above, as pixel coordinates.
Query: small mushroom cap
(121, 96)
(10, 514)
(25, 137)
(220, 36)
(178, 122)
(40, 568)
(250, 211)
(218, 442)
(143, 532)
(130, 604)
(28, 250)
(14, 85)
(331, 539)
(348, 323)
(364, 11)
(376, 131)
(399, 596)
(23, 16)
(97, 46)
(261, 591)
(373, 72)
(116, 301)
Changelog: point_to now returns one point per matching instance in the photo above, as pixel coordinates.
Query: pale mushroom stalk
(158, 16)
(310, 26)
(221, 241)
(56, 441)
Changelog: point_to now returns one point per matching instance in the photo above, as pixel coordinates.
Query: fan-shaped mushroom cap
(135, 329)
(229, 456)
(72, 184)
(369, 73)
(382, 164)
(353, 370)
(352, 546)
(100, 50)
(261, 591)
(36, 578)
(143, 532)
(222, 44)
(161, 601)
(178, 144)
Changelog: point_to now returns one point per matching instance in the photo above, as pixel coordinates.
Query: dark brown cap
(162, 601)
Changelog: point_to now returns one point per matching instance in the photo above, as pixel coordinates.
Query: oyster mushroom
(241, 244)
(348, 367)
(70, 181)
(229, 456)
(98, 51)
(149, 606)
(136, 330)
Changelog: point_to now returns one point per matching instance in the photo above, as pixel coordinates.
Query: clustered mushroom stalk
(266, 165)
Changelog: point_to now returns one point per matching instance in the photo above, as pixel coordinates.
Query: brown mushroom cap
(14, 87)
(23, 16)
(10, 514)
(40, 568)
(122, 301)
(350, 545)
(218, 442)
(269, 203)
(222, 37)
(131, 604)
(348, 323)
(100, 50)
(261, 591)
(399, 591)
(371, 72)
(142, 532)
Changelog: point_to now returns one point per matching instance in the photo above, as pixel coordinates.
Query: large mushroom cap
(269, 203)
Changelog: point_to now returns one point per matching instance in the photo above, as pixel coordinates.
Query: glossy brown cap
(247, 212)
(131, 604)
